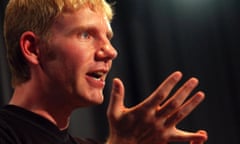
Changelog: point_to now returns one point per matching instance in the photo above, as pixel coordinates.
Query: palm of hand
(152, 121)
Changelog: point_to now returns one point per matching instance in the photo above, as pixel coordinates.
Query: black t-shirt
(19, 126)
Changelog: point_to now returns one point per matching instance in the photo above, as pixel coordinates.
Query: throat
(59, 120)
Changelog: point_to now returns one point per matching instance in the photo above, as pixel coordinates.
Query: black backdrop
(156, 37)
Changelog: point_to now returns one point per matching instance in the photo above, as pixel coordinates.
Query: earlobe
(29, 47)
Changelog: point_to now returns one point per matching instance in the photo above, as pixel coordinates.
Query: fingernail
(178, 75)
(115, 85)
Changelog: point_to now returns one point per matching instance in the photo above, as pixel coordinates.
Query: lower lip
(95, 82)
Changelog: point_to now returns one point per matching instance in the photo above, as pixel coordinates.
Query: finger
(203, 132)
(197, 142)
(185, 109)
(200, 142)
(179, 97)
(162, 92)
(184, 136)
(116, 100)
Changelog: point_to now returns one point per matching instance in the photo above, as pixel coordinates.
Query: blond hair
(37, 16)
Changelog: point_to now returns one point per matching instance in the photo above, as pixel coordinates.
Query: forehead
(95, 5)
(83, 17)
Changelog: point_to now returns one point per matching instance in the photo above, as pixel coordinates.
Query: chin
(96, 99)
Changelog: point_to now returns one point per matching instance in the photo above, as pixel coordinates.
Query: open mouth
(96, 78)
(97, 75)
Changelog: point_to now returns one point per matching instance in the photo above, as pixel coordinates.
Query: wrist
(120, 140)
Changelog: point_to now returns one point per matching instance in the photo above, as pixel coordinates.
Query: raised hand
(154, 120)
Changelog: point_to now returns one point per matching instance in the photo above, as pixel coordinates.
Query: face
(79, 56)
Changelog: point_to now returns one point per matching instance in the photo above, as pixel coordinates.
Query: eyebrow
(110, 34)
(90, 28)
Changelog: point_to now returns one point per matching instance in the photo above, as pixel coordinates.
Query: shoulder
(87, 141)
(4, 117)
(6, 131)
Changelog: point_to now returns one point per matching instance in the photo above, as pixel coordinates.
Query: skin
(154, 121)
(63, 71)
(62, 68)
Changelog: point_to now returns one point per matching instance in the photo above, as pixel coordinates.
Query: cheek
(68, 58)
(55, 63)
(71, 65)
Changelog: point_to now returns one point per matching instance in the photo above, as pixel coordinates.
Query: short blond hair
(37, 16)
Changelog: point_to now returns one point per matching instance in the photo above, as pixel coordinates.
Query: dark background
(155, 38)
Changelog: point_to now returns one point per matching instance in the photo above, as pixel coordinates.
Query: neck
(42, 104)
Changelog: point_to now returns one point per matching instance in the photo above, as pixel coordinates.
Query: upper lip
(98, 73)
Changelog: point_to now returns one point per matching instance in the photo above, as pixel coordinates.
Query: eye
(84, 35)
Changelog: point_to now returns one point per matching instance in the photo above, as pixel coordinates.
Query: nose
(106, 52)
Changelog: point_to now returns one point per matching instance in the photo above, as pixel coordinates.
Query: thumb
(116, 100)
(203, 132)
(197, 142)
(194, 137)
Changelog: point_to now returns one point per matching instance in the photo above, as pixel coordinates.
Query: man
(60, 53)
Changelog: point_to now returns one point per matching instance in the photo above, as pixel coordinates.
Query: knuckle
(179, 115)
(173, 105)
(161, 95)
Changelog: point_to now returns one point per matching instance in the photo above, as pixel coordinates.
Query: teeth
(99, 73)
(97, 79)
(96, 75)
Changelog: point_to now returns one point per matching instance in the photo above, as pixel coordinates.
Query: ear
(29, 47)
